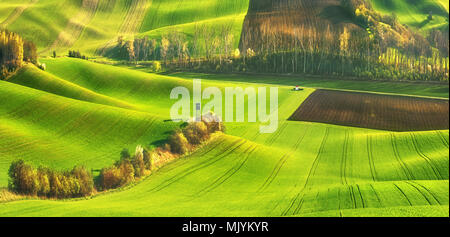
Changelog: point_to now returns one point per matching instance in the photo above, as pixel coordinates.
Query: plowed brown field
(375, 111)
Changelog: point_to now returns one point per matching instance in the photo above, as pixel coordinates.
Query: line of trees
(132, 167)
(126, 170)
(380, 47)
(44, 182)
(192, 135)
(74, 54)
(286, 41)
(14, 51)
(206, 42)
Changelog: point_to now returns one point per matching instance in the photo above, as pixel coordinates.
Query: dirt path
(75, 26)
(16, 14)
(131, 23)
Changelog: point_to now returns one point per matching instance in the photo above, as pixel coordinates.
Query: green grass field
(78, 112)
(415, 13)
(92, 25)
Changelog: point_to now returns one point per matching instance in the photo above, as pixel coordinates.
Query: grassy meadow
(415, 13)
(74, 114)
(79, 112)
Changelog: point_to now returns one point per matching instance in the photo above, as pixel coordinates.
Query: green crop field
(415, 13)
(84, 113)
(92, 25)
(79, 112)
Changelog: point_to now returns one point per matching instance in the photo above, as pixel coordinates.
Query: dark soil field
(375, 111)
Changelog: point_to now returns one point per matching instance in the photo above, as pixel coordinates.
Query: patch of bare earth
(374, 111)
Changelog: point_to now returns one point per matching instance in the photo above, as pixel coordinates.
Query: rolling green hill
(304, 169)
(93, 25)
(415, 13)
(78, 112)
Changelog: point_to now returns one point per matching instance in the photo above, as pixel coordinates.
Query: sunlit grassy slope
(303, 169)
(415, 13)
(162, 17)
(93, 25)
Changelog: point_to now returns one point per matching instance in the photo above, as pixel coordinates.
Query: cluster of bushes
(183, 140)
(14, 51)
(44, 182)
(126, 170)
(79, 182)
(75, 54)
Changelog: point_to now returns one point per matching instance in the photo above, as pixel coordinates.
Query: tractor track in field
(403, 193)
(203, 153)
(344, 159)
(281, 163)
(274, 173)
(418, 190)
(373, 171)
(352, 197)
(360, 196)
(75, 26)
(428, 191)
(17, 12)
(313, 169)
(198, 167)
(402, 164)
(230, 172)
(131, 24)
(427, 159)
(376, 195)
(311, 173)
(273, 138)
(442, 137)
(200, 152)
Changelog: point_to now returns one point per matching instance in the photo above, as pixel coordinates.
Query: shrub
(125, 154)
(196, 133)
(48, 183)
(23, 178)
(178, 143)
(85, 180)
(213, 122)
(138, 162)
(110, 178)
(147, 160)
